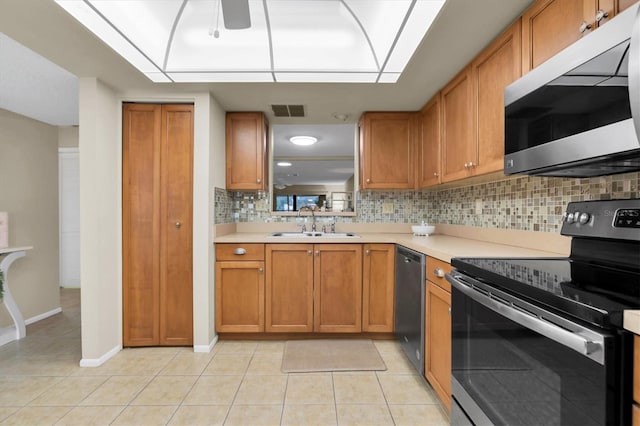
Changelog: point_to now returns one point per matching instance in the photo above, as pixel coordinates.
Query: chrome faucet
(312, 209)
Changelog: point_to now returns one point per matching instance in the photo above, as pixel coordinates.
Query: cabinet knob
(317, 253)
(367, 252)
(466, 165)
(259, 180)
(601, 14)
(449, 310)
(438, 272)
(178, 225)
(584, 26)
(309, 252)
(368, 180)
(261, 270)
(240, 251)
(435, 174)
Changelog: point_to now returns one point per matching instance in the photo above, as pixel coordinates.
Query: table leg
(7, 298)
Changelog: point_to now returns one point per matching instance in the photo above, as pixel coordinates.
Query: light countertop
(632, 321)
(442, 247)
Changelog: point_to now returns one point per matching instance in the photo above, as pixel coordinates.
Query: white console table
(7, 257)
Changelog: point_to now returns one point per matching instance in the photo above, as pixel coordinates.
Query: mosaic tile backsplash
(524, 202)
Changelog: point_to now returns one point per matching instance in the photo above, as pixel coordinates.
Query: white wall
(100, 222)
(208, 139)
(29, 193)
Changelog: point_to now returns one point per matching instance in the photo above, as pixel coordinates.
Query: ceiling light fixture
(303, 140)
(283, 164)
(336, 41)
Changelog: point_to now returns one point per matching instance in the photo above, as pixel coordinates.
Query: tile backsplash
(522, 202)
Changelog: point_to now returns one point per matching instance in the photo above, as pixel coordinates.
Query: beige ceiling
(463, 28)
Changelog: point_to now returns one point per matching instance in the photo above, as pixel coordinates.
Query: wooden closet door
(176, 230)
(141, 224)
(157, 228)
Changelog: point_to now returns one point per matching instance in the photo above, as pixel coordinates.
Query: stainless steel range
(539, 341)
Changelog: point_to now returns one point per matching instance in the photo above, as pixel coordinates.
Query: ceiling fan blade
(236, 14)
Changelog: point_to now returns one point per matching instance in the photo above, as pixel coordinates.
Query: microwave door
(634, 73)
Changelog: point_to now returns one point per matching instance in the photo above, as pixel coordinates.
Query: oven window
(519, 377)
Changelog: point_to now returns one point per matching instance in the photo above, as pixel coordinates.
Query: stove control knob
(570, 218)
(584, 218)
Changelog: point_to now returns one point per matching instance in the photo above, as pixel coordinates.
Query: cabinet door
(438, 342)
(429, 144)
(621, 5)
(246, 151)
(387, 150)
(493, 70)
(548, 27)
(176, 260)
(337, 273)
(378, 280)
(458, 145)
(239, 297)
(289, 288)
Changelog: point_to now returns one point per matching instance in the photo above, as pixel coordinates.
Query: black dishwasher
(409, 304)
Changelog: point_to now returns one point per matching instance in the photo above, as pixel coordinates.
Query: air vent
(288, 110)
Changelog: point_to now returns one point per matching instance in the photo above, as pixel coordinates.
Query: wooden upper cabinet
(551, 25)
(338, 288)
(458, 145)
(378, 281)
(495, 68)
(428, 145)
(386, 150)
(289, 288)
(246, 151)
(548, 27)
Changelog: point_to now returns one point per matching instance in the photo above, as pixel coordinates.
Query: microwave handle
(586, 347)
(634, 73)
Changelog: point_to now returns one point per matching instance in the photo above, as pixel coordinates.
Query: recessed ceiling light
(303, 140)
(283, 164)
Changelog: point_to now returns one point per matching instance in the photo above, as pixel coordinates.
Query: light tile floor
(238, 383)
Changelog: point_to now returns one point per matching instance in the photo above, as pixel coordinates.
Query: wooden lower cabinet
(438, 331)
(378, 280)
(337, 278)
(314, 288)
(289, 288)
(240, 289)
(635, 415)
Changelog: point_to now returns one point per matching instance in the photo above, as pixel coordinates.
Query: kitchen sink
(315, 234)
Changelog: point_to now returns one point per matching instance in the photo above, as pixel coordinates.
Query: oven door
(516, 364)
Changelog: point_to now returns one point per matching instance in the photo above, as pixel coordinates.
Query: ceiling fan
(236, 14)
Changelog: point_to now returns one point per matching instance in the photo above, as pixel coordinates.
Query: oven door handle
(588, 347)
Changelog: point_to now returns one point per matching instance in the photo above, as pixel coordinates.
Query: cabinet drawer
(239, 251)
(436, 269)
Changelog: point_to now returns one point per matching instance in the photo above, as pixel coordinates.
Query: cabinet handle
(259, 180)
(239, 251)
(466, 165)
(439, 272)
(601, 14)
(178, 225)
(261, 270)
(317, 253)
(367, 252)
(472, 164)
(368, 180)
(435, 174)
(309, 252)
(449, 310)
(584, 26)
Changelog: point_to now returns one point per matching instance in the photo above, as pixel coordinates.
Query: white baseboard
(42, 316)
(97, 362)
(206, 348)
(7, 334)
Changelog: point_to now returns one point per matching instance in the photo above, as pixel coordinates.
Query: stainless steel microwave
(578, 114)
